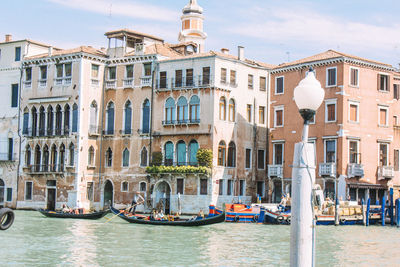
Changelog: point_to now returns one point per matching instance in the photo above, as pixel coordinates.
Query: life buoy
(6, 218)
(279, 219)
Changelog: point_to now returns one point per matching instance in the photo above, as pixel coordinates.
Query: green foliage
(157, 158)
(205, 157)
(178, 169)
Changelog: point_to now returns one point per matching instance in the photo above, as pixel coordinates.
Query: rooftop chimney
(50, 51)
(225, 50)
(241, 53)
(8, 38)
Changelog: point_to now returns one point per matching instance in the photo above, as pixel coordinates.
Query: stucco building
(355, 130)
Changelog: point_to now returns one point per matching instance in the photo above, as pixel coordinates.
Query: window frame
(325, 150)
(358, 77)
(357, 152)
(387, 153)
(183, 186)
(250, 81)
(327, 77)
(263, 89)
(274, 153)
(279, 108)
(25, 192)
(283, 85)
(387, 89)
(200, 187)
(330, 102)
(122, 186)
(240, 188)
(250, 159)
(261, 111)
(258, 159)
(379, 116)
(357, 104)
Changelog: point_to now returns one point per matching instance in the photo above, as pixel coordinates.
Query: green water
(35, 240)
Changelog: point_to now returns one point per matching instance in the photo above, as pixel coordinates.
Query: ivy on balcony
(178, 169)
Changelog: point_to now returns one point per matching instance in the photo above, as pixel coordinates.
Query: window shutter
(128, 120)
(110, 122)
(75, 119)
(25, 124)
(14, 95)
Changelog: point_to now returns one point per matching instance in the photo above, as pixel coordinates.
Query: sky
(272, 31)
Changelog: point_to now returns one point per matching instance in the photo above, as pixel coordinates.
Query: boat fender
(342, 220)
(6, 218)
(236, 219)
(279, 219)
(255, 218)
(288, 220)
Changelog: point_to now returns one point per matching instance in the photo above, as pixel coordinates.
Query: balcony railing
(171, 162)
(67, 81)
(111, 84)
(145, 81)
(94, 130)
(327, 169)
(180, 122)
(184, 83)
(275, 171)
(45, 168)
(355, 170)
(95, 82)
(58, 81)
(42, 83)
(29, 132)
(128, 83)
(385, 172)
(27, 84)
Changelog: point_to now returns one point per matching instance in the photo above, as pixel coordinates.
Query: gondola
(180, 222)
(88, 216)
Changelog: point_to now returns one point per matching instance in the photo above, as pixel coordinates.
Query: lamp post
(308, 96)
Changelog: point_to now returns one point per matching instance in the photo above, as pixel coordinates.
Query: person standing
(137, 200)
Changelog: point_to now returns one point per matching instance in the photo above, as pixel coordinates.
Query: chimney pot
(241, 53)
(8, 37)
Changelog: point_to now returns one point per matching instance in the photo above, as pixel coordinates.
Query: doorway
(163, 196)
(51, 199)
(108, 194)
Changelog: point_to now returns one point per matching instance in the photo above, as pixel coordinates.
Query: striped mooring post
(383, 210)
(398, 212)
(391, 213)
(367, 212)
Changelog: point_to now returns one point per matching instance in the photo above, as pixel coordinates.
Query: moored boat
(197, 221)
(89, 216)
(238, 213)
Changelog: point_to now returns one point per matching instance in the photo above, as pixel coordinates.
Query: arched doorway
(108, 194)
(1, 191)
(163, 196)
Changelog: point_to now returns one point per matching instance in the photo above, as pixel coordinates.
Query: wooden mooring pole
(383, 210)
(367, 213)
(398, 212)
(391, 213)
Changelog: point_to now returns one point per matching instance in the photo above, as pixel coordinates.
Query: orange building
(355, 130)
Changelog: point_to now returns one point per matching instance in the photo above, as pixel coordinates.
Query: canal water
(35, 240)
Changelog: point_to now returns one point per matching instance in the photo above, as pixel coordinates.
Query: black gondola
(181, 222)
(88, 216)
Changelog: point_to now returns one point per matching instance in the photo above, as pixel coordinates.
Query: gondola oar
(123, 211)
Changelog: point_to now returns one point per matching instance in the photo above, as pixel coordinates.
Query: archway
(1, 191)
(163, 196)
(108, 194)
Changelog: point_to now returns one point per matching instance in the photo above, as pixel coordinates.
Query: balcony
(327, 169)
(27, 84)
(67, 81)
(275, 171)
(181, 122)
(144, 132)
(95, 82)
(145, 81)
(94, 130)
(45, 169)
(184, 83)
(128, 83)
(355, 170)
(108, 132)
(111, 85)
(126, 131)
(58, 81)
(29, 132)
(385, 172)
(42, 83)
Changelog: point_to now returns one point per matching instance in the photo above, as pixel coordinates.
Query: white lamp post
(308, 96)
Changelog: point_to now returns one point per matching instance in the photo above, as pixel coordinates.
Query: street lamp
(308, 96)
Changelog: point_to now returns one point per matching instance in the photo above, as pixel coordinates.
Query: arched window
(93, 118)
(169, 154)
(146, 117)
(170, 111)
(25, 126)
(109, 157)
(53, 158)
(46, 157)
(124, 186)
(67, 113)
(50, 121)
(128, 117)
(221, 153)
(143, 157)
(71, 155)
(142, 187)
(193, 148)
(42, 121)
(58, 120)
(195, 109)
(62, 158)
(125, 158)
(222, 108)
(110, 118)
(28, 156)
(37, 158)
(34, 121)
(181, 153)
(182, 110)
(75, 118)
(91, 156)
(232, 155)
(232, 110)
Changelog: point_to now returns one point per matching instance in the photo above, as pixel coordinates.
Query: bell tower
(192, 25)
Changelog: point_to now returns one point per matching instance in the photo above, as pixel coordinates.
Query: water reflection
(34, 240)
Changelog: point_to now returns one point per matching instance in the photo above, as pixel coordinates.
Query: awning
(366, 186)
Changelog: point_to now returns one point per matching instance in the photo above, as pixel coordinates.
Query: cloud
(308, 27)
(121, 8)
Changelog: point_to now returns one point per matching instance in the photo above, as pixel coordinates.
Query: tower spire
(192, 25)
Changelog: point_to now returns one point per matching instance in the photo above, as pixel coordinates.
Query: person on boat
(200, 215)
(282, 204)
(137, 200)
(66, 209)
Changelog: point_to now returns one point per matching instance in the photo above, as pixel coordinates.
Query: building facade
(354, 131)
